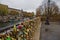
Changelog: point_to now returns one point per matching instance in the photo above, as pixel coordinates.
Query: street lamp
(47, 16)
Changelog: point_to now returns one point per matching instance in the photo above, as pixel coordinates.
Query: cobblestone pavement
(52, 33)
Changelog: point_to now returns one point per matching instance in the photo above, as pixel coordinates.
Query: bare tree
(43, 9)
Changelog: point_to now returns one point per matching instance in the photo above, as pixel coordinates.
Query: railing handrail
(10, 26)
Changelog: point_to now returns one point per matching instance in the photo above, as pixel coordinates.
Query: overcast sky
(29, 5)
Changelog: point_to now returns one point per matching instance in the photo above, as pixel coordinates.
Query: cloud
(29, 5)
(23, 4)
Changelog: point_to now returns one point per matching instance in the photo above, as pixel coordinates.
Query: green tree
(3, 9)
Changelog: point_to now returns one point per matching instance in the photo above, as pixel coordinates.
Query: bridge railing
(30, 27)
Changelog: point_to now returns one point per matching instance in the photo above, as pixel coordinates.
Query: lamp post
(47, 16)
